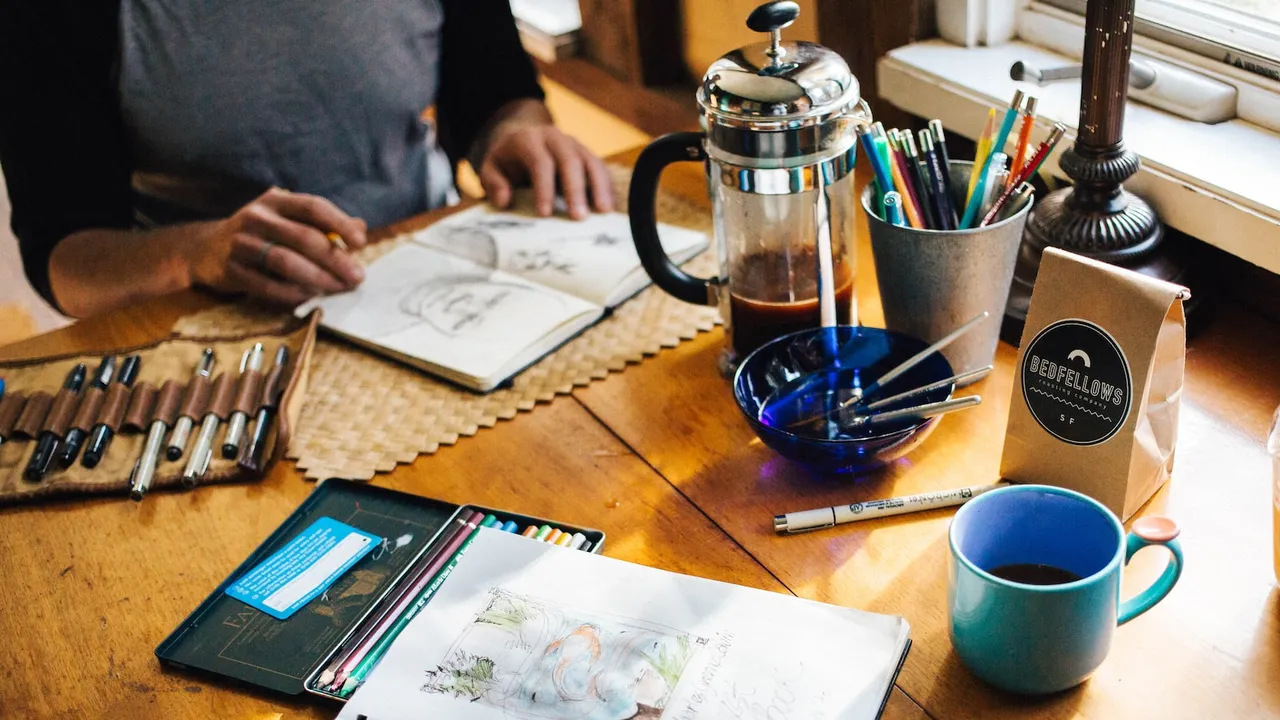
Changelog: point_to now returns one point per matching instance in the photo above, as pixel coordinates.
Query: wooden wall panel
(637, 41)
(864, 30)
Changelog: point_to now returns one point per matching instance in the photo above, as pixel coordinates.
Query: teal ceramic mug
(1041, 638)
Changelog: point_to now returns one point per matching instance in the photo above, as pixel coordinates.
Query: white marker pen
(807, 520)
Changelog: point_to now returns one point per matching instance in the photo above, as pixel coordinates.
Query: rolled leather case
(248, 393)
(167, 403)
(10, 408)
(220, 400)
(61, 412)
(91, 401)
(273, 386)
(196, 398)
(114, 407)
(33, 415)
(141, 407)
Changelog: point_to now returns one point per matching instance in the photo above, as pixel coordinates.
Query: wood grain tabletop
(660, 459)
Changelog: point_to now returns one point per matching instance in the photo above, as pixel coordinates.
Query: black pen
(100, 438)
(63, 406)
(940, 144)
(90, 404)
(272, 388)
(927, 204)
(938, 181)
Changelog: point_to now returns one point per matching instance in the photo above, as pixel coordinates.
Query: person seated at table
(150, 146)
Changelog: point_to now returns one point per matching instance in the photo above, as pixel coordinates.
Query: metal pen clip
(204, 463)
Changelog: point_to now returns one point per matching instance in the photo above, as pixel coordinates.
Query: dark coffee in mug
(1034, 574)
(776, 293)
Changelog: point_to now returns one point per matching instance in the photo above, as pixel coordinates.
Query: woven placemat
(364, 414)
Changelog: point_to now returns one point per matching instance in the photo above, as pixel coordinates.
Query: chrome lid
(777, 85)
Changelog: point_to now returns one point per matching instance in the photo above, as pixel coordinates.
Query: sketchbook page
(524, 630)
(589, 258)
(427, 305)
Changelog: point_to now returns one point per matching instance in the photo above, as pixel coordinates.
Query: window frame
(1166, 27)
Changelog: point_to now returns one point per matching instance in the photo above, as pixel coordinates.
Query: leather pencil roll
(273, 386)
(196, 398)
(115, 405)
(10, 408)
(91, 401)
(249, 392)
(141, 407)
(167, 402)
(223, 394)
(61, 412)
(33, 415)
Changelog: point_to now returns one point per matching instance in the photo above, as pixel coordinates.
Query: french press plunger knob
(771, 18)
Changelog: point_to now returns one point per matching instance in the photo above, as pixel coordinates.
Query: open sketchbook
(482, 294)
(524, 630)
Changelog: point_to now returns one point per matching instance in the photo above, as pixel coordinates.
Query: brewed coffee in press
(768, 299)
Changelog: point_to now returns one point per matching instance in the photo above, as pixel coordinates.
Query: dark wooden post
(1096, 217)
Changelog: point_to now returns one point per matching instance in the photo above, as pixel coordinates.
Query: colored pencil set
(358, 657)
(912, 174)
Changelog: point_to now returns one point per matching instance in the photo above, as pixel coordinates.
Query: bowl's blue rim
(823, 441)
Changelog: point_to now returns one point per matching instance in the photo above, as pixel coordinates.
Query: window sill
(1213, 182)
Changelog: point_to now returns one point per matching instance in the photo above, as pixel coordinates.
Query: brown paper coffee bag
(1097, 383)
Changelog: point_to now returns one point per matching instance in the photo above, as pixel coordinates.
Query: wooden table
(90, 587)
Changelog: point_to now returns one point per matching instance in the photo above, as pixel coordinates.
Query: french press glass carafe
(779, 148)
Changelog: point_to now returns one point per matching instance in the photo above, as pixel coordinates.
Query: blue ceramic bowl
(799, 375)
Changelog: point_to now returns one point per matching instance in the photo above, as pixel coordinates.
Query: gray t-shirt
(226, 98)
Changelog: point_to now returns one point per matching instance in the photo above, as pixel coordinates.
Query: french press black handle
(641, 201)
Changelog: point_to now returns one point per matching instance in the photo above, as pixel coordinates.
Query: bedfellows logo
(1076, 382)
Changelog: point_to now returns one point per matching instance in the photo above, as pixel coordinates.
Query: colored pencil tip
(349, 686)
(326, 678)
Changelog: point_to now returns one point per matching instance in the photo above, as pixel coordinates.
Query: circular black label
(1076, 382)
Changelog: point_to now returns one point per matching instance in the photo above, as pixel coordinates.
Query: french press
(779, 145)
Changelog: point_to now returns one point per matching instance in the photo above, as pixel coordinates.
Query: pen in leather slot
(272, 388)
(11, 406)
(194, 401)
(166, 409)
(114, 406)
(202, 453)
(245, 401)
(90, 405)
(55, 425)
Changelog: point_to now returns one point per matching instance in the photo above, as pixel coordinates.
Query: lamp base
(1122, 230)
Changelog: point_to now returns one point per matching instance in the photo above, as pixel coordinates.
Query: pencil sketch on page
(537, 660)
(455, 298)
(542, 245)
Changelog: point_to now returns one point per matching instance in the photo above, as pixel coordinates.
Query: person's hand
(526, 148)
(276, 248)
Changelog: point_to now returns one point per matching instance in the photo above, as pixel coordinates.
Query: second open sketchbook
(482, 294)
(524, 630)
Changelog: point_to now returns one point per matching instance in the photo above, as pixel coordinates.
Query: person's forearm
(94, 271)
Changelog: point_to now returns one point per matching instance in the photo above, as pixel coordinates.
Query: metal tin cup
(932, 281)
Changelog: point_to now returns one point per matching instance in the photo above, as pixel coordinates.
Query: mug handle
(1153, 530)
(641, 200)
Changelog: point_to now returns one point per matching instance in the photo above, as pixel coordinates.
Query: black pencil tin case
(228, 639)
